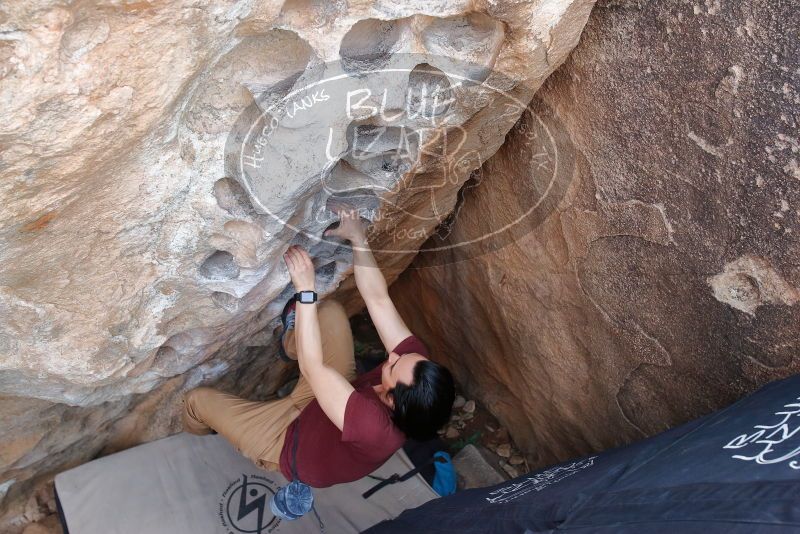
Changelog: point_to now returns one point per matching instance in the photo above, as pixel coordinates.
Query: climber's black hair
(424, 406)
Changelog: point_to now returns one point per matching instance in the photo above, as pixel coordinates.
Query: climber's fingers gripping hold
(301, 268)
(350, 226)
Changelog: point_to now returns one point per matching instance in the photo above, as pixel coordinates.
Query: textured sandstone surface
(661, 279)
(135, 264)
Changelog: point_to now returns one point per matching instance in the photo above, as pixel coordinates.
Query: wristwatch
(306, 297)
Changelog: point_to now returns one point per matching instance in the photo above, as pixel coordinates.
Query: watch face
(306, 297)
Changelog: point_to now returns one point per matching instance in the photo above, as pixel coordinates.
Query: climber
(348, 426)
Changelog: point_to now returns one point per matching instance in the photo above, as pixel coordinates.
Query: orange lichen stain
(39, 223)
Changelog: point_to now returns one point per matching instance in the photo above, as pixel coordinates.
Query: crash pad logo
(539, 481)
(244, 507)
(773, 443)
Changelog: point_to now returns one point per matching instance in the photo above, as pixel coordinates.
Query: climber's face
(399, 369)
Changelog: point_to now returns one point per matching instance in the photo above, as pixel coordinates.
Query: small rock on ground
(504, 450)
(473, 470)
(511, 470)
(469, 406)
(451, 433)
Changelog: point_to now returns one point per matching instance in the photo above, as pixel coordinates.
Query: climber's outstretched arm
(370, 281)
(330, 388)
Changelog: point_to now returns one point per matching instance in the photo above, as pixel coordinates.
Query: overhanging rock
(136, 263)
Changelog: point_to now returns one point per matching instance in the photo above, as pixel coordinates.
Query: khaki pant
(258, 429)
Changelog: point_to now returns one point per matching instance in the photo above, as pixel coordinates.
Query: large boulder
(140, 261)
(629, 258)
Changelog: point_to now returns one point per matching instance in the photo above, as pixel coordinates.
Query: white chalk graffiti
(539, 481)
(766, 438)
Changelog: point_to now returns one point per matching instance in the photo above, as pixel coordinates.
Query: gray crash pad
(187, 484)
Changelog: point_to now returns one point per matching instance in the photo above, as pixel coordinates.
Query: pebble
(511, 470)
(516, 459)
(451, 433)
(33, 511)
(467, 416)
(459, 402)
(469, 406)
(504, 450)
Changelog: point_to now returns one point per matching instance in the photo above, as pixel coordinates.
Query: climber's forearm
(331, 389)
(370, 281)
(372, 286)
(307, 337)
(369, 278)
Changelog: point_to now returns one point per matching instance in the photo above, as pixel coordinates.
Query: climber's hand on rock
(350, 226)
(301, 268)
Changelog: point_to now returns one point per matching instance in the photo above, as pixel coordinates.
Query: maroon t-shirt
(327, 455)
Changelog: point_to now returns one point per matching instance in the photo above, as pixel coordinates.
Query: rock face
(139, 261)
(660, 279)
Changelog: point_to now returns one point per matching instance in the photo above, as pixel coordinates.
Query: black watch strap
(306, 297)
